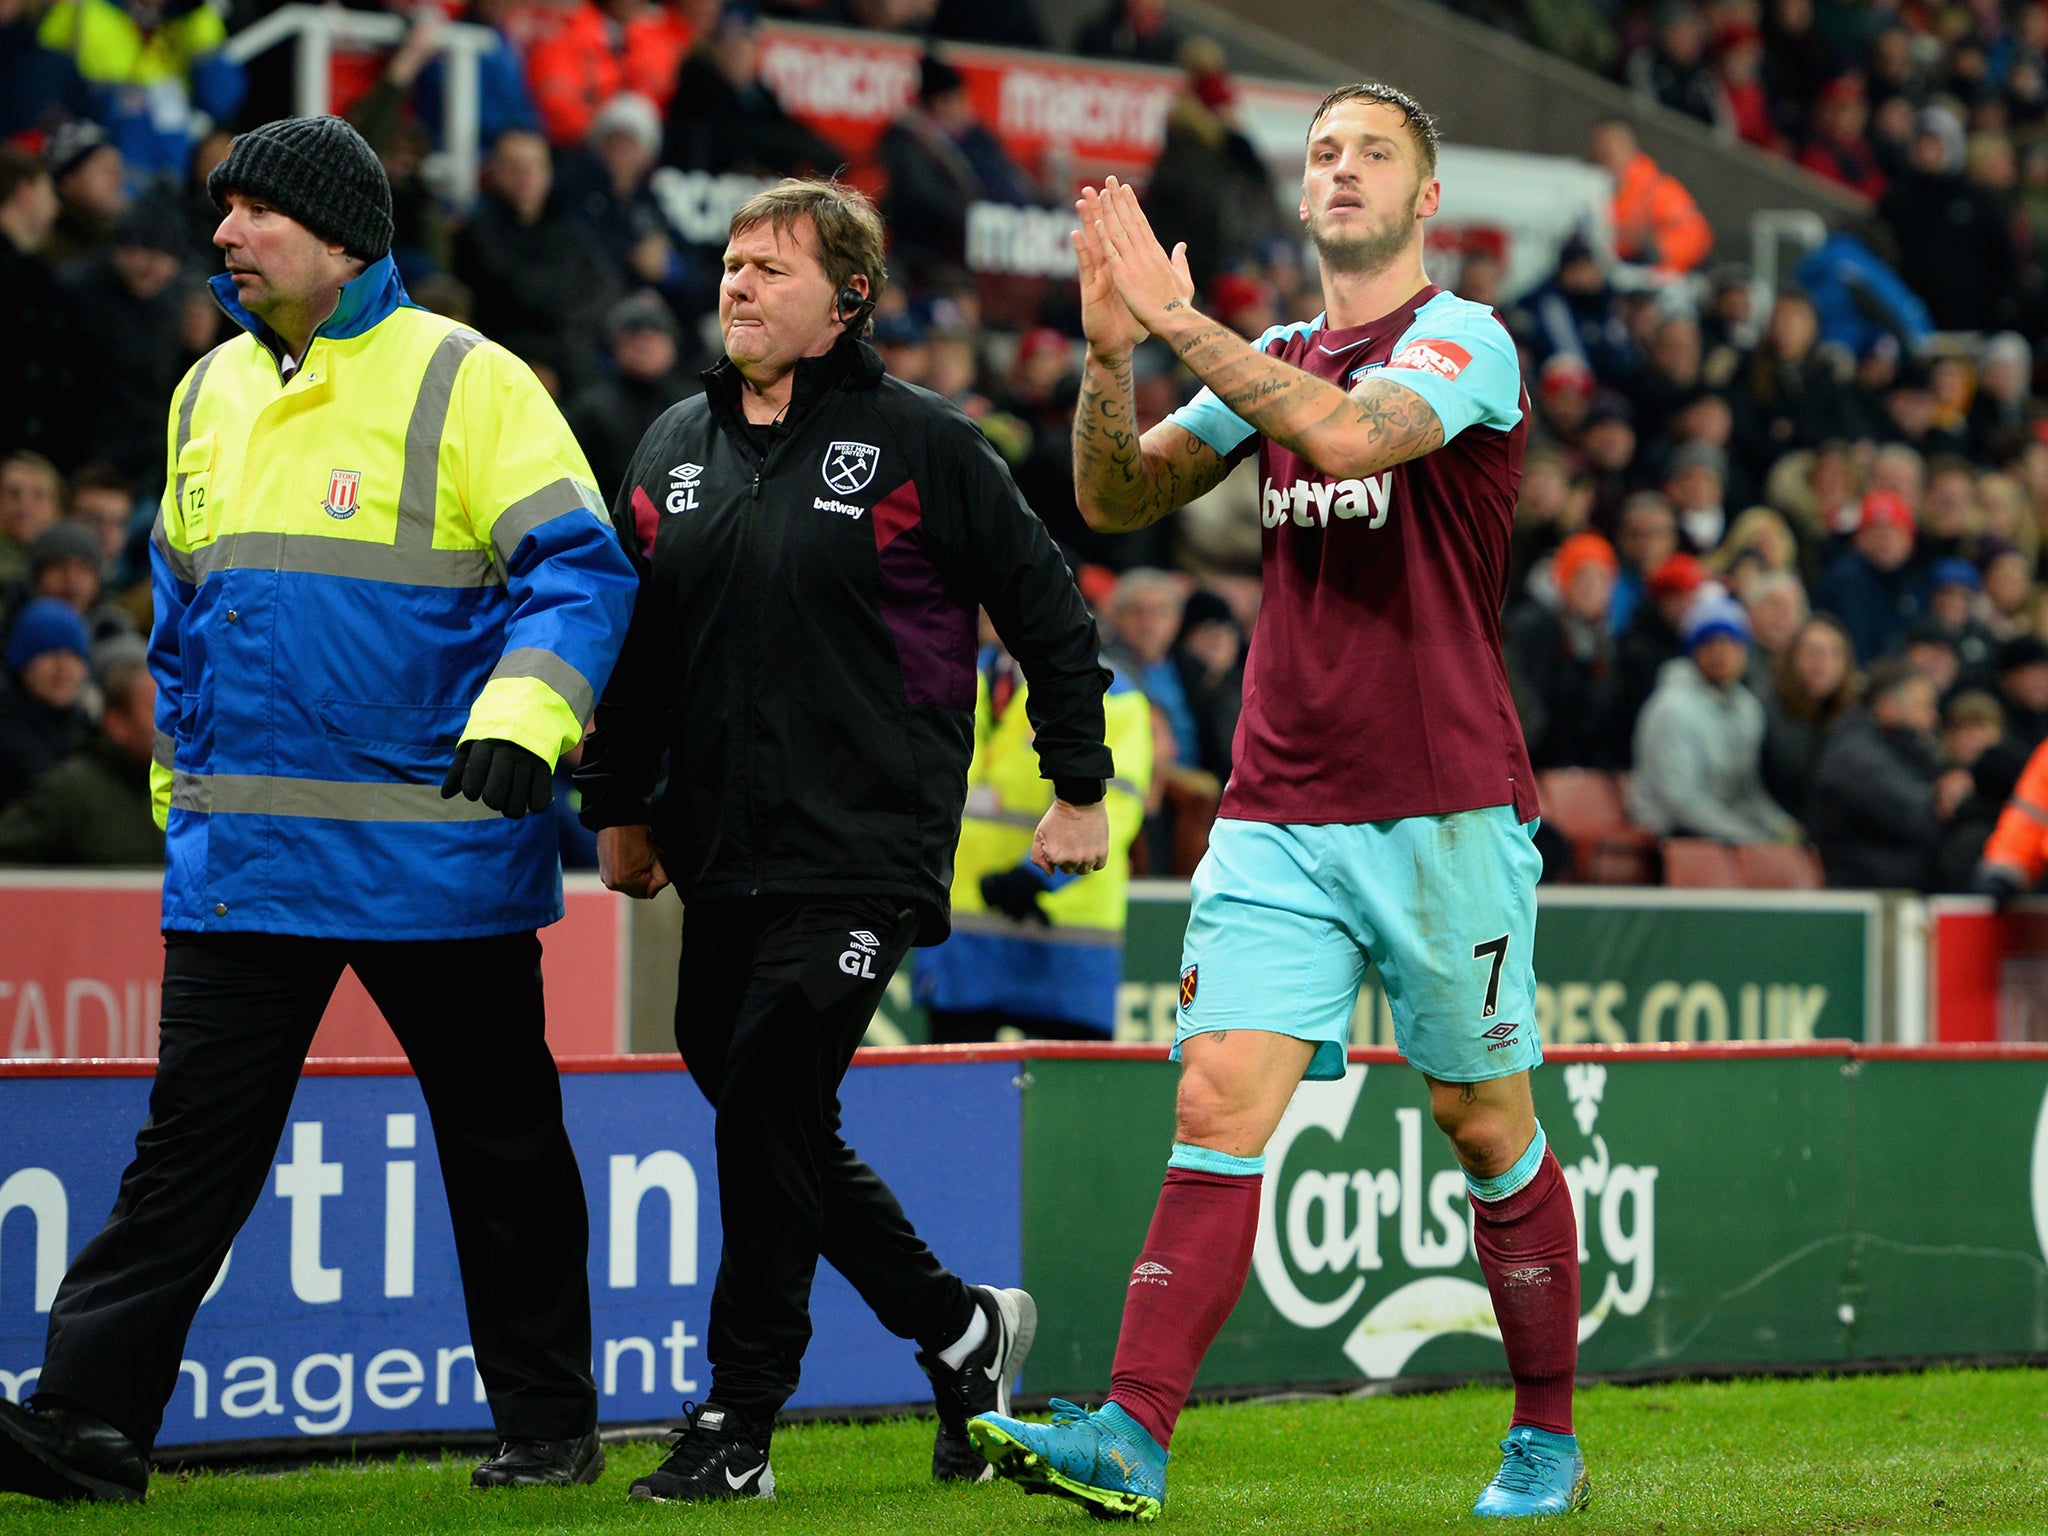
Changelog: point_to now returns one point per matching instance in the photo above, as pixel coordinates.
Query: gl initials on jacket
(683, 485)
(1312, 503)
(859, 958)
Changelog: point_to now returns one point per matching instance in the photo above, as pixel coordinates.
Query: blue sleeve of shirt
(1214, 422)
(1483, 387)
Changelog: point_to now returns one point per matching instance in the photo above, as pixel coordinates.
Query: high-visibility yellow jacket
(1067, 969)
(396, 550)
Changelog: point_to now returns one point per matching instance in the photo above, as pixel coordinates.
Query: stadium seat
(1701, 863)
(1587, 806)
(1195, 803)
(1780, 867)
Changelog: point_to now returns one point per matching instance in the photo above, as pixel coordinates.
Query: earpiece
(853, 306)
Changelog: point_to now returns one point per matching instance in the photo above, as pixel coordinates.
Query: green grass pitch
(1963, 1451)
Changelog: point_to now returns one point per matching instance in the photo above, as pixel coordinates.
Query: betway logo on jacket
(1312, 503)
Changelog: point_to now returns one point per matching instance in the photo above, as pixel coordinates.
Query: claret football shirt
(1374, 687)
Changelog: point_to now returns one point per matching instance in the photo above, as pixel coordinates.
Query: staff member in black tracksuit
(813, 539)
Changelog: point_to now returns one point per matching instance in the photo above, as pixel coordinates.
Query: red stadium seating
(1779, 867)
(1587, 806)
(1701, 863)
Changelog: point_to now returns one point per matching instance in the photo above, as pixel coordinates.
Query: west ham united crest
(342, 486)
(850, 466)
(1190, 980)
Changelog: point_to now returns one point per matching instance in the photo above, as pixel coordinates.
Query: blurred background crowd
(1776, 577)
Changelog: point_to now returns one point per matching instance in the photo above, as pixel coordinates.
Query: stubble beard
(1365, 254)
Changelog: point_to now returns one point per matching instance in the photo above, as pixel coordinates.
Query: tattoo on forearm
(1302, 412)
(1112, 474)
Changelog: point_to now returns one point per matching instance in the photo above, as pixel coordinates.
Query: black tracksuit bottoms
(239, 1012)
(773, 996)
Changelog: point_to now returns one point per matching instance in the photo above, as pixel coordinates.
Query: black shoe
(982, 1384)
(52, 1452)
(541, 1463)
(716, 1455)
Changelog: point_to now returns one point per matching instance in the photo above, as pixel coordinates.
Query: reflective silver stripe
(572, 685)
(1008, 818)
(248, 794)
(421, 485)
(543, 506)
(2027, 807)
(1127, 787)
(1036, 933)
(161, 749)
(185, 409)
(179, 560)
(313, 554)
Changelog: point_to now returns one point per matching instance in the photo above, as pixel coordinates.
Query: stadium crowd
(1777, 564)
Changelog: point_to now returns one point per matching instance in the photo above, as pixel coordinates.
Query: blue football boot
(1540, 1474)
(1103, 1460)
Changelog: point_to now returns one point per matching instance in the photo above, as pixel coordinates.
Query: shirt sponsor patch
(1446, 359)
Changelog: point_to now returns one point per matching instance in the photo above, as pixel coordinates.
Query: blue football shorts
(1285, 918)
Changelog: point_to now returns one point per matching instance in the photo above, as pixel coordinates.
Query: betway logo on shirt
(1312, 503)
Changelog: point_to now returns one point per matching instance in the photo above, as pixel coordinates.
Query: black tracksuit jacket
(793, 712)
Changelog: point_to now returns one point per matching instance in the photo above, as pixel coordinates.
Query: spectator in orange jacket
(2017, 855)
(604, 47)
(1656, 222)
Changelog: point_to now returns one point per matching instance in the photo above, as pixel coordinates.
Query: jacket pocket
(406, 741)
(198, 507)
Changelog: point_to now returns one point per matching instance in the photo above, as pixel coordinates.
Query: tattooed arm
(1347, 436)
(1122, 481)
(1379, 424)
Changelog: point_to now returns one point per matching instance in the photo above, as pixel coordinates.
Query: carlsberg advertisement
(1758, 1208)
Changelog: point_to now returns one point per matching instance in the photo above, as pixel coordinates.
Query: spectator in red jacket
(1839, 146)
(604, 47)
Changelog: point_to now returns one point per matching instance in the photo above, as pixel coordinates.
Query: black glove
(1999, 883)
(502, 774)
(1015, 893)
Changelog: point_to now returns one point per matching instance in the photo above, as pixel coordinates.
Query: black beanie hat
(318, 170)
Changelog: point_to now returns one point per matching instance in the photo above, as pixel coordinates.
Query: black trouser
(239, 1011)
(773, 997)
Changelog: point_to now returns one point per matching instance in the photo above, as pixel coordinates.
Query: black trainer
(716, 1455)
(982, 1383)
(49, 1451)
(542, 1464)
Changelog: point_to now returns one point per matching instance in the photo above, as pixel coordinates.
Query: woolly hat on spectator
(43, 626)
(1680, 573)
(629, 112)
(2019, 651)
(1714, 614)
(640, 312)
(73, 144)
(318, 170)
(1578, 552)
(1955, 572)
(1885, 507)
(1610, 405)
(61, 542)
(1566, 373)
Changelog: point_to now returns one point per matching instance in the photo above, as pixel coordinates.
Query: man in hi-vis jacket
(386, 600)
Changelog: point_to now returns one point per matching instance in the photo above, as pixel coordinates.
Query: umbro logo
(1149, 1273)
(858, 958)
(1535, 1274)
(1501, 1031)
(683, 485)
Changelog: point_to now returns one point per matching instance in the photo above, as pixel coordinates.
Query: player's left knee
(1484, 1136)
